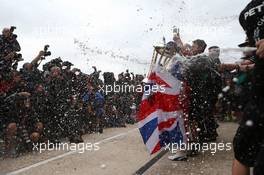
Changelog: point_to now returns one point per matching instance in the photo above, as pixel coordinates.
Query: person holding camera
(30, 72)
(9, 47)
(8, 43)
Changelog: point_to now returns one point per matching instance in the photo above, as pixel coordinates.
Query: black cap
(245, 44)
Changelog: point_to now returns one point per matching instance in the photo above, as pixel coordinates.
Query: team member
(248, 142)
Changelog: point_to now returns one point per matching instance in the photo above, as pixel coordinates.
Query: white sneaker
(178, 156)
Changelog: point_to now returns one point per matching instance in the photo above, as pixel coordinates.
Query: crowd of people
(57, 101)
(203, 76)
(216, 91)
(62, 102)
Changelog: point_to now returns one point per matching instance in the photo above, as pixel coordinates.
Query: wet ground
(205, 163)
(121, 151)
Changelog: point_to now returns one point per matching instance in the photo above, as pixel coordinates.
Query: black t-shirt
(252, 21)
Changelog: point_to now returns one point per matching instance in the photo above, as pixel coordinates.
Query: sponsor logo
(253, 11)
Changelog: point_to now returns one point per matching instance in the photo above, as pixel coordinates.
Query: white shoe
(178, 156)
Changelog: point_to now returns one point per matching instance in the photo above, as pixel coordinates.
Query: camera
(46, 52)
(12, 29)
(18, 57)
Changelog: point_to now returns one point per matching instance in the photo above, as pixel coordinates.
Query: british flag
(161, 114)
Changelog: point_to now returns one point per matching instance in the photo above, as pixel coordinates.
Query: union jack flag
(161, 114)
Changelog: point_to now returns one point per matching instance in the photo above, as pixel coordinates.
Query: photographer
(30, 72)
(8, 43)
(74, 118)
(57, 104)
(99, 103)
(9, 47)
(22, 127)
(40, 104)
